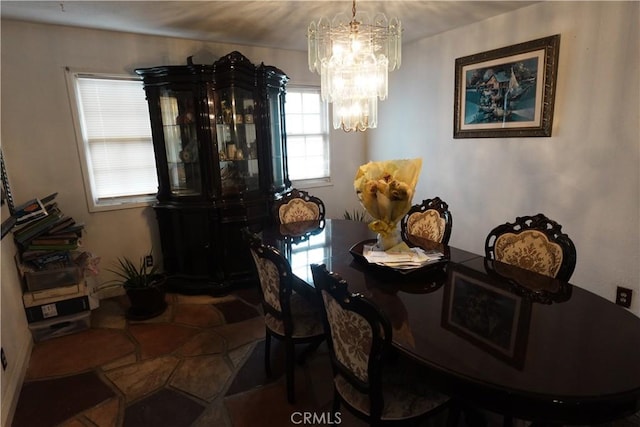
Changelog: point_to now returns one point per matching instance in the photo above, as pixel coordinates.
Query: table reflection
(300, 231)
(535, 287)
(487, 314)
(302, 243)
(396, 312)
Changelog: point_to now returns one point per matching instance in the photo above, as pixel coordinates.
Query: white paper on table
(400, 256)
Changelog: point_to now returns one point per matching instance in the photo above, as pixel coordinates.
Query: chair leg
(336, 402)
(267, 354)
(290, 362)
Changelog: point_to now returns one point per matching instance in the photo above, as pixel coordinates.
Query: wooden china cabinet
(219, 142)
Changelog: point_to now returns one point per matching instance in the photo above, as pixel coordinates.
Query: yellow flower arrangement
(385, 189)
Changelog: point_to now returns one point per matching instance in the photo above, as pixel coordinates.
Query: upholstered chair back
(534, 243)
(430, 220)
(376, 388)
(359, 334)
(297, 206)
(288, 315)
(274, 275)
(351, 336)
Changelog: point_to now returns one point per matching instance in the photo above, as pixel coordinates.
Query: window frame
(95, 204)
(325, 133)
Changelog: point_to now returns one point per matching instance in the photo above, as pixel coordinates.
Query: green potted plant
(356, 215)
(145, 286)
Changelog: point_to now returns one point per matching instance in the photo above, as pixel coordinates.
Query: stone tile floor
(201, 363)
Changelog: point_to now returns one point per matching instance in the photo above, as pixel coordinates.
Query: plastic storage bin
(47, 279)
(60, 326)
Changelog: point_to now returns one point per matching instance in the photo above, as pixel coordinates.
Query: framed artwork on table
(507, 92)
(486, 314)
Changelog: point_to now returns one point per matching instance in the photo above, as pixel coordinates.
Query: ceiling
(275, 24)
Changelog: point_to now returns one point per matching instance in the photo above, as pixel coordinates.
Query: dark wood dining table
(502, 338)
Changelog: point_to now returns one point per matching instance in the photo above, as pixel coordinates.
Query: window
(307, 134)
(114, 139)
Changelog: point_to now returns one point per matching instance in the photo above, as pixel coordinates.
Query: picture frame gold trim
(491, 102)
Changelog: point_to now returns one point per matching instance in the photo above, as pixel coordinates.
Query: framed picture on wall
(507, 92)
(486, 314)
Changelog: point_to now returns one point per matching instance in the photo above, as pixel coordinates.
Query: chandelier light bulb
(353, 57)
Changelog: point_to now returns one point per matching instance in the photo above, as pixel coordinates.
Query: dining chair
(288, 316)
(430, 219)
(296, 206)
(374, 386)
(535, 243)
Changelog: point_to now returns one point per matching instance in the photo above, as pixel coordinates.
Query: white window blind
(116, 131)
(307, 134)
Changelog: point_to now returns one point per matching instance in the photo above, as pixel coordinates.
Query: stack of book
(48, 237)
(30, 211)
(55, 292)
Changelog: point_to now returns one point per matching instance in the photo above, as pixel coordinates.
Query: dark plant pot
(147, 302)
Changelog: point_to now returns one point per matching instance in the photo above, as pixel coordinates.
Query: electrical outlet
(148, 260)
(623, 296)
(4, 359)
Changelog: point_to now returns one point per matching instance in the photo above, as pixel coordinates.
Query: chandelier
(354, 57)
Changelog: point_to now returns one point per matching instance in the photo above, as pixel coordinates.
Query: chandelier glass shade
(354, 57)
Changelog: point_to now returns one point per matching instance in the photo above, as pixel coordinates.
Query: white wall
(586, 176)
(16, 340)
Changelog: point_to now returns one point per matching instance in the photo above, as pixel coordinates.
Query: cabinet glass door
(236, 134)
(277, 135)
(181, 142)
